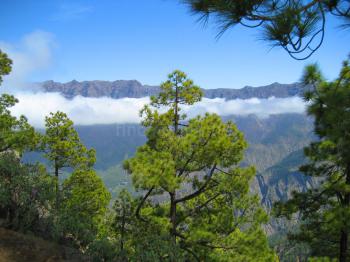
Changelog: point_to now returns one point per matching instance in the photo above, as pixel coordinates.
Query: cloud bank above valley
(89, 111)
(35, 53)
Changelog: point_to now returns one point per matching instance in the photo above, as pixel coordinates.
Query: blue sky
(145, 40)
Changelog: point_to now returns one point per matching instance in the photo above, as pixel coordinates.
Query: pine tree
(84, 204)
(15, 133)
(196, 195)
(63, 148)
(25, 194)
(24, 189)
(325, 210)
(124, 223)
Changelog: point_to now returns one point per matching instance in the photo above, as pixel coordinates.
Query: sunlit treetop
(5, 65)
(193, 164)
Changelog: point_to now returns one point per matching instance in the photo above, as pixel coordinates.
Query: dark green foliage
(82, 201)
(84, 204)
(104, 249)
(26, 191)
(123, 223)
(151, 243)
(25, 194)
(325, 209)
(63, 148)
(297, 26)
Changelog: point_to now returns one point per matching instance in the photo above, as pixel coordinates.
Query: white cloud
(87, 111)
(82, 110)
(260, 107)
(32, 54)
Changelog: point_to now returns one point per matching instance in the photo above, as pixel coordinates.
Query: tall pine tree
(63, 148)
(196, 194)
(325, 210)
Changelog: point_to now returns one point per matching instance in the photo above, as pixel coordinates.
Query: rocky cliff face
(115, 89)
(275, 89)
(133, 88)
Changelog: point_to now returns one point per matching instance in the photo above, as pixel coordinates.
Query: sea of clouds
(35, 53)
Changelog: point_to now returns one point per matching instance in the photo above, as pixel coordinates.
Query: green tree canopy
(62, 144)
(325, 210)
(5, 65)
(25, 194)
(63, 148)
(124, 222)
(15, 133)
(84, 204)
(296, 26)
(196, 195)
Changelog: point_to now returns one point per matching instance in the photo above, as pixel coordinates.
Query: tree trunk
(343, 246)
(344, 235)
(172, 194)
(57, 188)
(176, 110)
(173, 216)
(122, 232)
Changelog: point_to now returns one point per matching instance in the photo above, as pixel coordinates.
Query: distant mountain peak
(133, 88)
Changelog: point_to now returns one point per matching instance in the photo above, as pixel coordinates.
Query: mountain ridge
(134, 89)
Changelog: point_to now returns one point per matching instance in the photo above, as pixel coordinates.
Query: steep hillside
(281, 179)
(271, 141)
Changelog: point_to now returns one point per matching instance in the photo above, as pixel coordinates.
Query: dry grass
(16, 247)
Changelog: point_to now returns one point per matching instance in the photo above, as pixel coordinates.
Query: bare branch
(200, 190)
(138, 209)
